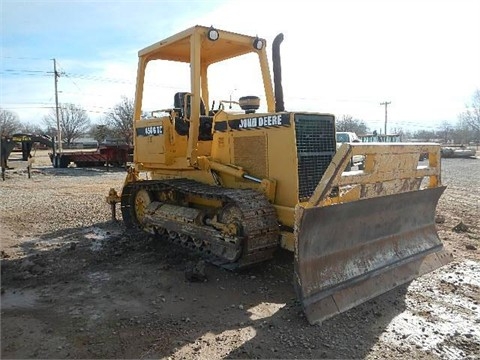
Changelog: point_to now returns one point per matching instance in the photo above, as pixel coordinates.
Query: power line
(100, 78)
(28, 107)
(23, 74)
(25, 71)
(74, 83)
(23, 58)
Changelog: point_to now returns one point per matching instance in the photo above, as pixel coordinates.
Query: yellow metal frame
(193, 46)
(389, 169)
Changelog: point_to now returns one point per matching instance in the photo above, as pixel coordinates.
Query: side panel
(263, 145)
(283, 168)
(292, 149)
(150, 141)
(159, 146)
(250, 151)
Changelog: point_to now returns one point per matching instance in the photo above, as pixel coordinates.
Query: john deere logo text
(271, 120)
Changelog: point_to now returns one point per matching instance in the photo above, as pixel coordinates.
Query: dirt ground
(76, 285)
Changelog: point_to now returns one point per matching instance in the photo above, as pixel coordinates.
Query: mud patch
(98, 236)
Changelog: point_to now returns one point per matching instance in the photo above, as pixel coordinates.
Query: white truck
(351, 137)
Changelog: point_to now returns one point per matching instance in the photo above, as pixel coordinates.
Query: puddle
(20, 299)
(98, 276)
(97, 236)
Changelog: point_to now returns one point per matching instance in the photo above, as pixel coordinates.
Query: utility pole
(56, 75)
(386, 103)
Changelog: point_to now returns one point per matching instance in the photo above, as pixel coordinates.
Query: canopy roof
(177, 47)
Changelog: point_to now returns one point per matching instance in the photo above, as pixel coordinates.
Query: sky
(343, 57)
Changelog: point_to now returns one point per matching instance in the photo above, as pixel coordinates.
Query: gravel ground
(76, 285)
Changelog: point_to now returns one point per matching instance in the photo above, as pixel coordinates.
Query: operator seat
(179, 102)
(182, 126)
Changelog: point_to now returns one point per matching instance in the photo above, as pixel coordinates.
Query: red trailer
(105, 155)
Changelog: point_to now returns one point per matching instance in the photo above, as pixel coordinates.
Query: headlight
(212, 34)
(258, 44)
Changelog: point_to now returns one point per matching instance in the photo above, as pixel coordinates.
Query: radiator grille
(243, 149)
(315, 135)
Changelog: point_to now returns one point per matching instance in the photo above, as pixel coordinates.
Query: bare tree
(348, 123)
(120, 120)
(28, 128)
(464, 133)
(404, 134)
(9, 123)
(471, 115)
(74, 121)
(425, 135)
(446, 131)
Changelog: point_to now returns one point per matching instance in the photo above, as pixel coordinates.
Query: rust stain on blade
(348, 253)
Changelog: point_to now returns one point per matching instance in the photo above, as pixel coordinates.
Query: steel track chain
(259, 220)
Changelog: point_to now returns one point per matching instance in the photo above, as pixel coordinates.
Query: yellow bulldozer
(235, 185)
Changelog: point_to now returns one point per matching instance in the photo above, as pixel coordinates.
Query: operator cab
(181, 106)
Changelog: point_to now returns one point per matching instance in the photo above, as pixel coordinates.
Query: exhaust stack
(277, 73)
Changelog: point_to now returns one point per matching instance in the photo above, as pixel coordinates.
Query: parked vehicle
(388, 138)
(351, 138)
(104, 155)
(457, 152)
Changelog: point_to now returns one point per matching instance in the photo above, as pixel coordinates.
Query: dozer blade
(348, 253)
